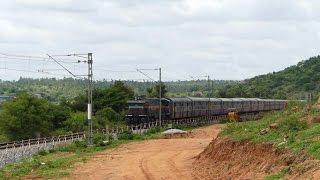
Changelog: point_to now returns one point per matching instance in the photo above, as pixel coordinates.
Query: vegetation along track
(153, 159)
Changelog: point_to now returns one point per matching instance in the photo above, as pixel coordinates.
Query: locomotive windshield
(135, 107)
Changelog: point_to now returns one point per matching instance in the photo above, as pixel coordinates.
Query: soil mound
(228, 159)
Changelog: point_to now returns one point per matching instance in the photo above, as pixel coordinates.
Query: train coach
(143, 111)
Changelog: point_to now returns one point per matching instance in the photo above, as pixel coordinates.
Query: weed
(292, 131)
(126, 135)
(279, 175)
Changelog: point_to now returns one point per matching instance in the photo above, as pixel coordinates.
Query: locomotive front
(137, 112)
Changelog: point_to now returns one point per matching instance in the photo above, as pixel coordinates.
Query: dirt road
(153, 159)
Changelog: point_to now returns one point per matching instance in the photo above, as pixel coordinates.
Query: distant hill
(294, 82)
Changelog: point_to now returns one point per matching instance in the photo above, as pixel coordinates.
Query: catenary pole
(90, 77)
(160, 94)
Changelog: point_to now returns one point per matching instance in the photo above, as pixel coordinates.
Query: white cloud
(227, 39)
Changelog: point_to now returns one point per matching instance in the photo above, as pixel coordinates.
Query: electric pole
(160, 103)
(90, 77)
(88, 60)
(209, 95)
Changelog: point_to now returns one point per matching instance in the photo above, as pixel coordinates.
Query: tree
(27, 117)
(115, 97)
(76, 122)
(109, 117)
(154, 91)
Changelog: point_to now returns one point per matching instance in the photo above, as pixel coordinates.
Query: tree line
(28, 116)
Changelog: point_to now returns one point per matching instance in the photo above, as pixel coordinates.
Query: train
(147, 110)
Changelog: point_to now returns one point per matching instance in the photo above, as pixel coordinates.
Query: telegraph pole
(209, 95)
(160, 103)
(90, 77)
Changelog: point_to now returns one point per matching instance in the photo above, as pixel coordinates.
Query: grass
(279, 175)
(293, 131)
(292, 128)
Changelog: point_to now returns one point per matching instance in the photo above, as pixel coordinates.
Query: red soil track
(153, 159)
(196, 157)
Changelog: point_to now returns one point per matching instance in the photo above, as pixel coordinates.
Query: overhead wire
(29, 71)
(45, 60)
(120, 71)
(5, 57)
(34, 58)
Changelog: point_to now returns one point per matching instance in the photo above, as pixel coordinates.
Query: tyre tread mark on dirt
(173, 166)
(145, 170)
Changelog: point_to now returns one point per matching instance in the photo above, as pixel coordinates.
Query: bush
(52, 150)
(292, 124)
(43, 152)
(100, 138)
(153, 130)
(3, 138)
(109, 117)
(76, 123)
(126, 135)
(81, 144)
(75, 146)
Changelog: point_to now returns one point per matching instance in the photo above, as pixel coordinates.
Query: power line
(52, 69)
(29, 71)
(120, 71)
(34, 58)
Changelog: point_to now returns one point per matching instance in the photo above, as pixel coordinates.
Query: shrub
(292, 124)
(153, 130)
(52, 150)
(81, 144)
(100, 138)
(76, 123)
(43, 152)
(126, 135)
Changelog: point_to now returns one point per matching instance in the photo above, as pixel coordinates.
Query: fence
(17, 150)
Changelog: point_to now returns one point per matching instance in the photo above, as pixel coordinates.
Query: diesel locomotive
(147, 110)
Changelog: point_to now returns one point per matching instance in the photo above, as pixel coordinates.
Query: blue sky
(226, 39)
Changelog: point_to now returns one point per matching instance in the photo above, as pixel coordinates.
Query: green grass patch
(292, 130)
(279, 175)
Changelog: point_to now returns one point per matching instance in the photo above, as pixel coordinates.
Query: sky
(225, 39)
